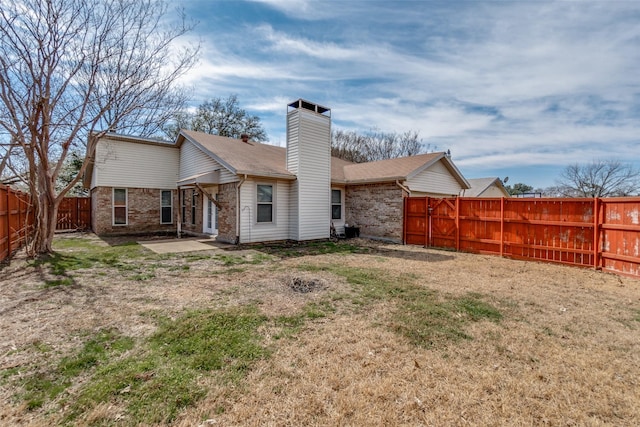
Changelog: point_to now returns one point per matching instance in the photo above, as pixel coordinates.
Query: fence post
(457, 223)
(596, 233)
(501, 226)
(427, 222)
(9, 221)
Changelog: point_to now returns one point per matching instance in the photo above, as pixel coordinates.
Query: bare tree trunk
(45, 218)
(70, 71)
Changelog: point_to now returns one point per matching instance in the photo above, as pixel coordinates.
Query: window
(265, 203)
(184, 207)
(194, 203)
(166, 207)
(119, 206)
(336, 204)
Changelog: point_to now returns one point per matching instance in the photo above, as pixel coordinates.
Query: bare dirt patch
(567, 350)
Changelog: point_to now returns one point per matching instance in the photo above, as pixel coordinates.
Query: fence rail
(16, 220)
(600, 233)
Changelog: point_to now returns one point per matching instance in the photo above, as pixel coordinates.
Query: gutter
(242, 180)
(269, 175)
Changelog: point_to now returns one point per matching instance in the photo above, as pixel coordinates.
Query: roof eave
(375, 180)
(272, 175)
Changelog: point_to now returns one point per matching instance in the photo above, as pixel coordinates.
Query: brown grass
(567, 351)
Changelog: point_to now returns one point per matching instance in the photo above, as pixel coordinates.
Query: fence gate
(430, 222)
(74, 213)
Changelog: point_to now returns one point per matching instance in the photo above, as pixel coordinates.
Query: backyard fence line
(16, 220)
(598, 233)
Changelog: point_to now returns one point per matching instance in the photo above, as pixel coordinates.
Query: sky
(516, 89)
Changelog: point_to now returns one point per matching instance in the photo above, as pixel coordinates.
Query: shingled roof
(479, 185)
(250, 158)
(256, 159)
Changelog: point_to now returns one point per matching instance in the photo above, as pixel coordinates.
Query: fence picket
(563, 231)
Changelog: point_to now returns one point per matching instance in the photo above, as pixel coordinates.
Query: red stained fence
(16, 220)
(600, 233)
(74, 213)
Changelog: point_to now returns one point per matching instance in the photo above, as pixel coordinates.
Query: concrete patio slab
(181, 245)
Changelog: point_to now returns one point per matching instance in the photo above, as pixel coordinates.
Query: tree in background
(604, 178)
(72, 70)
(375, 145)
(222, 117)
(518, 188)
(72, 164)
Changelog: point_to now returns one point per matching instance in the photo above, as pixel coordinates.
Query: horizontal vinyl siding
(194, 161)
(135, 165)
(292, 142)
(250, 230)
(436, 180)
(293, 211)
(314, 177)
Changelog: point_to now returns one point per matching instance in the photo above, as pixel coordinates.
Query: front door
(210, 219)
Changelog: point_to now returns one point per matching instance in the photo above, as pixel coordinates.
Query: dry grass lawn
(346, 336)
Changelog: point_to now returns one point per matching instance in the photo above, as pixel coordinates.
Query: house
(485, 187)
(243, 191)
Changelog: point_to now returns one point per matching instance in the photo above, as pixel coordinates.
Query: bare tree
(72, 70)
(605, 178)
(219, 116)
(375, 145)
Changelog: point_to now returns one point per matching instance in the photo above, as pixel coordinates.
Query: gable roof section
(399, 169)
(241, 158)
(269, 161)
(479, 185)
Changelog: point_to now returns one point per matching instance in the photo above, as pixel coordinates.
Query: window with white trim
(336, 204)
(166, 207)
(120, 206)
(265, 203)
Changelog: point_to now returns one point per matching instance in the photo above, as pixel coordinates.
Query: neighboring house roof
(480, 185)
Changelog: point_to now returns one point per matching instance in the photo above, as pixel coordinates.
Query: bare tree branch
(604, 178)
(376, 145)
(71, 70)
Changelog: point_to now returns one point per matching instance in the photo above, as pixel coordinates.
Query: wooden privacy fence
(16, 220)
(74, 213)
(599, 233)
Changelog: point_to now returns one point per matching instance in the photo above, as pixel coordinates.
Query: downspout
(404, 205)
(404, 188)
(242, 180)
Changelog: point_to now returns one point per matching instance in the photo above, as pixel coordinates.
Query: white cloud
(500, 83)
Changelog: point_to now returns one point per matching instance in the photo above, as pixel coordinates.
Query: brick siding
(377, 209)
(143, 212)
(227, 198)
